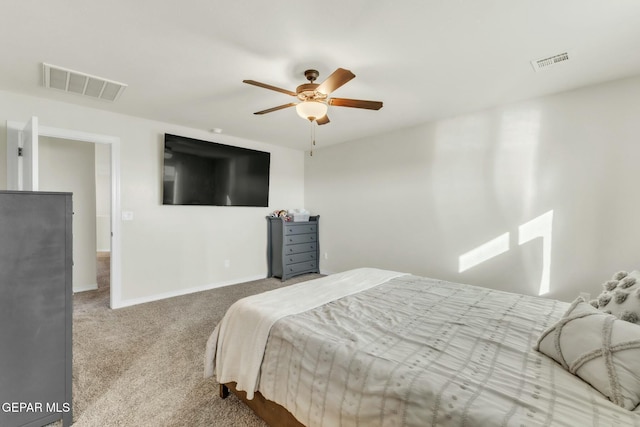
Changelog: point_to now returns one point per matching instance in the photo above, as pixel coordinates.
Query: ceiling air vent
(83, 84)
(543, 64)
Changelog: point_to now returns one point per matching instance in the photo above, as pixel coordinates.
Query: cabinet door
(34, 306)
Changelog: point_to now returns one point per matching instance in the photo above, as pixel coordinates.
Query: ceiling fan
(314, 97)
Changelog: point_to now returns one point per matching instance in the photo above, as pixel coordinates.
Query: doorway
(82, 168)
(17, 169)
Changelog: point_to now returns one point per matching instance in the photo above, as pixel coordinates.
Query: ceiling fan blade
(279, 107)
(355, 103)
(323, 120)
(335, 80)
(266, 86)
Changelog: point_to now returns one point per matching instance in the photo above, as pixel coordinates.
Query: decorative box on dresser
(293, 247)
(35, 308)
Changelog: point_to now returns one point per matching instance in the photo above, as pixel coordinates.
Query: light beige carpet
(143, 365)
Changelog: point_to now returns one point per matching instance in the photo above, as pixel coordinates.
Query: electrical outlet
(227, 263)
(326, 255)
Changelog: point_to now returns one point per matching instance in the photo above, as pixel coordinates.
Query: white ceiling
(184, 60)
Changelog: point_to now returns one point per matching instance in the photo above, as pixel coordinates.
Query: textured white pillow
(599, 348)
(621, 296)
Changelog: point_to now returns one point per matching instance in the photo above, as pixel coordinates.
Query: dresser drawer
(300, 238)
(301, 228)
(301, 266)
(299, 248)
(306, 256)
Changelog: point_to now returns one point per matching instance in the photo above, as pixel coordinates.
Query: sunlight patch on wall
(540, 226)
(483, 252)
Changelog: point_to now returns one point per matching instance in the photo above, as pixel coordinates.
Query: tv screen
(207, 173)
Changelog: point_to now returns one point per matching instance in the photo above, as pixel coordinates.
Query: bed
(371, 347)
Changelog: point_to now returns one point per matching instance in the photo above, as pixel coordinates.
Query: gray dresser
(35, 308)
(292, 247)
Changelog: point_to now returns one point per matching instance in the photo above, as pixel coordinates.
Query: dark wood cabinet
(35, 308)
(293, 247)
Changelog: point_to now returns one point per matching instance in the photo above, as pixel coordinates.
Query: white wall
(563, 166)
(69, 166)
(168, 250)
(103, 197)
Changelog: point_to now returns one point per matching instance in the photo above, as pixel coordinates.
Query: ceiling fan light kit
(314, 98)
(311, 110)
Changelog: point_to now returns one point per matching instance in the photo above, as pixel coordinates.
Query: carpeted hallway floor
(143, 365)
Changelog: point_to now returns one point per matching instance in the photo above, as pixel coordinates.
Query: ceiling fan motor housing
(307, 91)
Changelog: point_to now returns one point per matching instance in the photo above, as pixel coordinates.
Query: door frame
(116, 210)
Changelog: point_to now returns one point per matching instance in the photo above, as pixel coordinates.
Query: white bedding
(236, 346)
(418, 352)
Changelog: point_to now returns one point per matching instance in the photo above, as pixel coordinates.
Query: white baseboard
(165, 295)
(85, 288)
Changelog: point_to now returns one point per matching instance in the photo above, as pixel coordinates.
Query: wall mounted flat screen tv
(207, 173)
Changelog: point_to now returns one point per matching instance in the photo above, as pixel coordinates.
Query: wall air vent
(545, 63)
(80, 83)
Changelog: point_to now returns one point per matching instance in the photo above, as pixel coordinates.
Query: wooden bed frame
(272, 413)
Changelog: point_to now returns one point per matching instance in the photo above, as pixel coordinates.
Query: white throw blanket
(236, 347)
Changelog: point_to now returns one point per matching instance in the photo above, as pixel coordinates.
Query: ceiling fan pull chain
(313, 132)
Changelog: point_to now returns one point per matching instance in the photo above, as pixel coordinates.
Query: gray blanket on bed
(423, 352)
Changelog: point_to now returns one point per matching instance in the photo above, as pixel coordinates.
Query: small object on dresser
(280, 213)
(299, 215)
